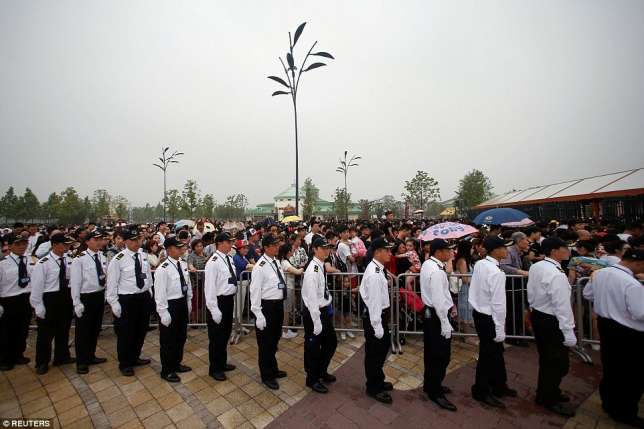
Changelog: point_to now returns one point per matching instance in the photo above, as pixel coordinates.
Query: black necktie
(326, 288)
(138, 272)
(279, 274)
(62, 274)
(230, 268)
(385, 272)
(23, 277)
(99, 270)
(184, 285)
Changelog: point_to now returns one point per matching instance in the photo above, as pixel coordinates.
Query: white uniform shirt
(9, 275)
(264, 283)
(83, 277)
(167, 283)
(549, 293)
(43, 250)
(374, 290)
(434, 288)
(611, 259)
(314, 288)
(487, 291)
(121, 275)
(618, 296)
(44, 277)
(216, 279)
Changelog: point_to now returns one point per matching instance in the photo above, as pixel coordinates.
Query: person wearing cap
(552, 322)
(129, 294)
(87, 281)
(173, 297)
(374, 304)
(487, 298)
(437, 329)
(220, 288)
(514, 265)
(267, 294)
(320, 340)
(52, 301)
(618, 298)
(15, 311)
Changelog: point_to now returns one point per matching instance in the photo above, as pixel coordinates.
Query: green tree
(9, 204)
(365, 208)
(173, 203)
(474, 188)
(71, 207)
(28, 206)
(51, 207)
(101, 202)
(341, 201)
(190, 197)
(88, 209)
(388, 202)
(120, 207)
(208, 205)
(311, 196)
(421, 190)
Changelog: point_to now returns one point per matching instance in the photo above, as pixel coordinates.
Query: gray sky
(528, 92)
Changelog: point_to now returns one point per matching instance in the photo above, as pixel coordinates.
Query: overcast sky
(528, 92)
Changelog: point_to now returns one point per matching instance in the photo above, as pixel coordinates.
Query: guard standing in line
(15, 311)
(220, 286)
(320, 341)
(129, 293)
(487, 298)
(52, 302)
(87, 281)
(437, 329)
(619, 303)
(552, 322)
(173, 296)
(374, 302)
(267, 295)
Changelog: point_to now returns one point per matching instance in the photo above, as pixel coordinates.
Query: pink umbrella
(447, 231)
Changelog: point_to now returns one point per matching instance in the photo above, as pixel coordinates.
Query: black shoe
(387, 386)
(172, 377)
(141, 362)
(42, 369)
(445, 390)
(22, 360)
(383, 397)
(96, 360)
(127, 372)
(280, 374)
(82, 369)
(65, 361)
(504, 391)
(444, 403)
(271, 384)
(219, 376)
(328, 378)
(489, 400)
(563, 398)
(229, 367)
(6, 367)
(561, 409)
(183, 368)
(318, 387)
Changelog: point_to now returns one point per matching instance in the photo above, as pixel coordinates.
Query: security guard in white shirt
(374, 305)
(52, 302)
(437, 329)
(552, 322)
(320, 341)
(129, 293)
(619, 304)
(220, 286)
(87, 281)
(15, 311)
(173, 296)
(267, 294)
(487, 298)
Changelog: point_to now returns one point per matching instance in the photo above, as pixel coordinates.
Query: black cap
(634, 255)
(13, 238)
(130, 233)
(94, 234)
(61, 239)
(381, 243)
(320, 242)
(222, 236)
(269, 240)
(492, 242)
(173, 242)
(552, 243)
(438, 244)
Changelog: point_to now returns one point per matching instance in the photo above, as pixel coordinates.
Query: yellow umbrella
(293, 218)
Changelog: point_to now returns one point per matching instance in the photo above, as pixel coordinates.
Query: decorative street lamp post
(165, 162)
(344, 169)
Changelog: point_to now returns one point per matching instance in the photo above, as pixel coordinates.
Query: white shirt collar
(552, 261)
(90, 253)
(268, 258)
(55, 256)
(172, 260)
(623, 268)
(378, 264)
(317, 261)
(14, 256)
(439, 263)
(491, 259)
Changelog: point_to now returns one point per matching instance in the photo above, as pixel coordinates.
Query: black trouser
(219, 333)
(59, 311)
(132, 327)
(14, 328)
(514, 305)
(318, 349)
(622, 353)
(172, 338)
(375, 351)
(438, 351)
(490, 368)
(553, 356)
(269, 338)
(89, 326)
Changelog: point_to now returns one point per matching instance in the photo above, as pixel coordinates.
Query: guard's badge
(316, 269)
(119, 256)
(377, 269)
(165, 264)
(43, 260)
(214, 258)
(32, 263)
(261, 264)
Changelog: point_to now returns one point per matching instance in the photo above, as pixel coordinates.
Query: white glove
(570, 340)
(189, 308)
(216, 316)
(165, 319)
(40, 311)
(446, 330)
(1, 311)
(378, 331)
(79, 309)
(260, 323)
(116, 310)
(317, 327)
(500, 337)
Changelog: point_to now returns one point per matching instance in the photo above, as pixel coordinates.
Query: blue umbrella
(500, 216)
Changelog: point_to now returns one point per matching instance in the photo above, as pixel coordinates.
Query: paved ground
(104, 398)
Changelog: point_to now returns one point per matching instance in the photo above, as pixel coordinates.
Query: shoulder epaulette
(377, 269)
(119, 256)
(316, 268)
(81, 254)
(214, 258)
(32, 263)
(165, 264)
(261, 264)
(43, 260)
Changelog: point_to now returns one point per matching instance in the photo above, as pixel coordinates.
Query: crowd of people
(320, 273)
